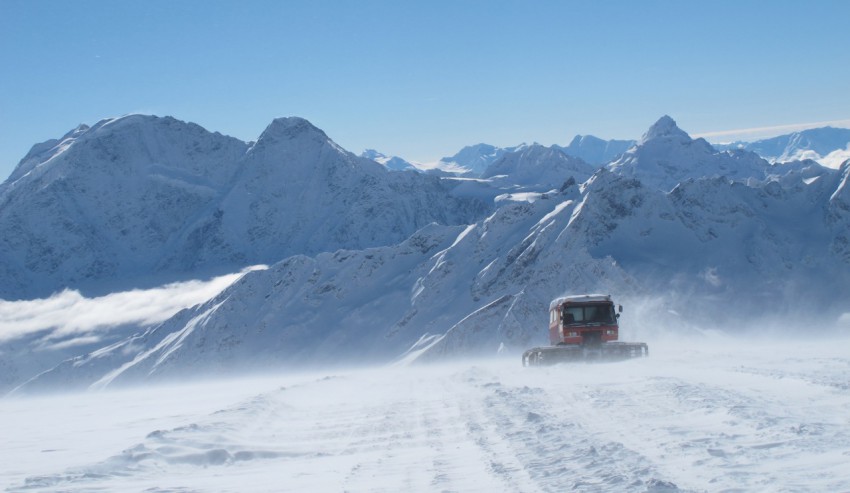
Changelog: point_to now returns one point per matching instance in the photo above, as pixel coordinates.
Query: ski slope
(727, 415)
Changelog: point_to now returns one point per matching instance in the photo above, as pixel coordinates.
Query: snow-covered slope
(712, 250)
(299, 192)
(838, 215)
(827, 145)
(334, 308)
(596, 151)
(105, 202)
(142, 197)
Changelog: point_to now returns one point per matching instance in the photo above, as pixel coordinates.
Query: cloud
(835, 158)
(69, 313)
(756, 133)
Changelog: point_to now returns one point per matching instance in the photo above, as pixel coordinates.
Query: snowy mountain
(827, 145)
(393, 163)
(142, 199)
(537, 167)
(474, 160)
(596, 151)
(104, 202)
(667, 156)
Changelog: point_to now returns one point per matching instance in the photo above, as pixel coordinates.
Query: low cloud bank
(68, 313)
(836, 158)
(757, 133)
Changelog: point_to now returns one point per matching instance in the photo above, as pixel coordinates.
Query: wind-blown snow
(39, 334)
(69, 312)
(709, 414)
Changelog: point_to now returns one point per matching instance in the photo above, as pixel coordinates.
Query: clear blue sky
(422, 79)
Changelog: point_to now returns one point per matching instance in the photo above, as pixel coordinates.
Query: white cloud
(836, 158)
(757, 133)
(69, 312)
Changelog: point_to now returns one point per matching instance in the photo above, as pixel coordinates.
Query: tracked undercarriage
(610, 351)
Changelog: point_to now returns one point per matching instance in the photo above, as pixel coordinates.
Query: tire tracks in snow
(525, 435)
(724, 430)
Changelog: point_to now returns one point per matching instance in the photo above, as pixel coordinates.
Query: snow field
(717, 415)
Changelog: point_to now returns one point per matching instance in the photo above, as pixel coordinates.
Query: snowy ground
(717, 418)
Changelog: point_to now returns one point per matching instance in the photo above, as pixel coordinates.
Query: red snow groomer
(583, 327)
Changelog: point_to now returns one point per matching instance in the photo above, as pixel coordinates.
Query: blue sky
(423, 79)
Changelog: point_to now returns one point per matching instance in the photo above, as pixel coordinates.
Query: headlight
(609, 332)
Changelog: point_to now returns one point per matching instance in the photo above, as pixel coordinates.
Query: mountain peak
(664, 127)
(76, 132)
(290, 128)
(373, 154)
(580, 140)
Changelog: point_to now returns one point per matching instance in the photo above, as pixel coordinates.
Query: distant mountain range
(827, 145)
(597, 151)
(474, 161)
(386, 266)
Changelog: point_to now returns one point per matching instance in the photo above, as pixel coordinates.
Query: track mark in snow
(552, 448)
(726, 435)
(650, 425)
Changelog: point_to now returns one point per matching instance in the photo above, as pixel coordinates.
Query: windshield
(589, 314)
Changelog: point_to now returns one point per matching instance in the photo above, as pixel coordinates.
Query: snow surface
(713, 413)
